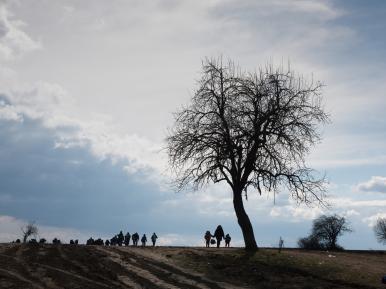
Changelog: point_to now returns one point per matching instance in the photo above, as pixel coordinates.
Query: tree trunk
(244, 222)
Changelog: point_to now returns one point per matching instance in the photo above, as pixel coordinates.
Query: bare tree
(249, 130)
(327, 229)
(380, 230)
(29, 230)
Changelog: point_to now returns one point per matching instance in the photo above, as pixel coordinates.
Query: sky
(88, 90)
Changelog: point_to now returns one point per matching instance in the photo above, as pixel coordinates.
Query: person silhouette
(135, 238)
(127, 239)
(154, 238)
(143, 240)
(281, 244)
(219, 235)
(207, 238)
(114, 241)
(227, 240)
(120, 238)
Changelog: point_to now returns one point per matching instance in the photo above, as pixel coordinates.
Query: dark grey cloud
(67, 186)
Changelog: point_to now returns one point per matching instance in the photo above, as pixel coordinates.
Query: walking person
(227, 240)
(120, 238)
(127, 239)
(154, 238)
(281, 244)
(207, 238)
(144, 240)
(135, 239)
(219, 235)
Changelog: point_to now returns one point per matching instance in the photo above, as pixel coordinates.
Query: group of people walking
(121, 239)
(218, 235)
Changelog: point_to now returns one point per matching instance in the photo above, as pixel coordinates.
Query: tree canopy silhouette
(380, 230)
(329, 228)
(325, 233)
(29, 230)
(249, 130)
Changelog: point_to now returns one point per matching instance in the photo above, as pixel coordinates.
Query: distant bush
(42, 241)
(310, 243)
(56, 241)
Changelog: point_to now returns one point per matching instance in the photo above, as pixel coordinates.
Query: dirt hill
(70, 266)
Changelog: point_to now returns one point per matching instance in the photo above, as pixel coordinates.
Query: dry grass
(66, 266)
(290, 269)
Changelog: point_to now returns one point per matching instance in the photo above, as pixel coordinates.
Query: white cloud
(8, 112)
(14, 42)
(349, 162)
(347, 149)
(370, 221)
(375, 184)
(295, 213)
(68, 9)
(320, 8)
(350, 213)
(349, 202)
(341, 206)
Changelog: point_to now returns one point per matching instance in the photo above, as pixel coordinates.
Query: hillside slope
(69, 266)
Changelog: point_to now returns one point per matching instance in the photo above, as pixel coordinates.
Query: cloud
(350, 202)
(349, 162)
(375, 184)
(348, 149)
(314, 7)
(52, 105)
(324, 9)
(8, 112)
(371, 221)
(67, 187)
(350, 213)
(296, 213)
(274, 21)
(14, 42)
